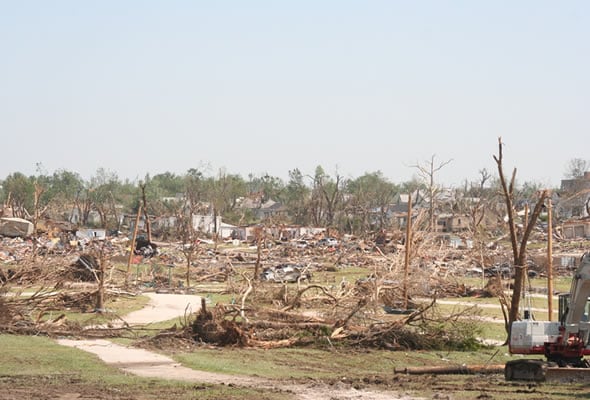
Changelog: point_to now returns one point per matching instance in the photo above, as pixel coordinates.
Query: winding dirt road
(163, 307)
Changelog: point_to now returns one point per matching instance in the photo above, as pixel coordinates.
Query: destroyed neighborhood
(322, 262)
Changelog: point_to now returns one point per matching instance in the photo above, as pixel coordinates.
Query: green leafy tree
(296, 196)
(223, 192)
(326, 197)
(20, 192)
(61, 192)
(270, 186)
(369, 198)
(103, 192)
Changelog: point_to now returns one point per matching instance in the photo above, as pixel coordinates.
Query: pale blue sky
(269, 86)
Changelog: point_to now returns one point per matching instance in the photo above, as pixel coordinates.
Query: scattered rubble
(293, 310)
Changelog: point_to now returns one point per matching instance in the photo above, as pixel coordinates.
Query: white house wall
(205, 223)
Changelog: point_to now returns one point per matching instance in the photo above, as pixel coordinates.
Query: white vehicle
(564, 342)
(328, 242)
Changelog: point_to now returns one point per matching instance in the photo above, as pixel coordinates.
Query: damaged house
(263, 210)
(574, 200)
(576, 229)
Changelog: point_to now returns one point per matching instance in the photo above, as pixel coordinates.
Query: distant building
(452, 223)
(574, 198)
(576, 229)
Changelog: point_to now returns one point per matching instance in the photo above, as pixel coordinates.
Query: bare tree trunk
(408, 249)
(38, 192)
(87, 209)
(114, 211)
(133, 239)
(148, 226)
(518, 252)
(215, 229)
(101, 277)
(189, 258)
(258, 254)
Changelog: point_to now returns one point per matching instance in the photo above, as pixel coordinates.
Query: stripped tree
(518, 249)
(427, 171)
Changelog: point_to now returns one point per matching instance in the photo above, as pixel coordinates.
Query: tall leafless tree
(37, 212)
(427, 171)
(576, 168)
(518, 249)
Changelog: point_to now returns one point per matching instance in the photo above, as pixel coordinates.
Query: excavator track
(526, 370)
(543, 371)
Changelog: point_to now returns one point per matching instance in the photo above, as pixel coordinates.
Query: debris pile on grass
(29, 315)
(274, 320)
(85, 269)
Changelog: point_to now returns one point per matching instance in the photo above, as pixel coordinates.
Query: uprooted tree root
(209, 327)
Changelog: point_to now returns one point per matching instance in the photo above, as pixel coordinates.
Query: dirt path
(152, 365)
(163, 307)
(144, 363)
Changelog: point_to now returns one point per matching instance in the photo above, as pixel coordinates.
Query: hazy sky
(269, 86)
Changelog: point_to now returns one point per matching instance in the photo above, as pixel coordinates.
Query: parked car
(506, 270)
(502, 270)
(328, 242)
(285, 273)
(300, 244)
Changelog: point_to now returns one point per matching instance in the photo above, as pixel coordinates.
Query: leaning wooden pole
(133, 239)
(101, 277)
(408, 249)
(549, 259)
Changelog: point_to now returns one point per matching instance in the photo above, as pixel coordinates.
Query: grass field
(36, 367)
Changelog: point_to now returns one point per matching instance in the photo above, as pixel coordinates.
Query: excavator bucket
(567, 375)
(543, 371)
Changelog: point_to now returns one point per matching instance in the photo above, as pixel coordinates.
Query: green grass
(299, 363)
(560, 284)
(37, 364)
(32, 355)
(493, 331)
(340, 273)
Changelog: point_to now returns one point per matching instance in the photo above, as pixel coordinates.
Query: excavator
(564, 343)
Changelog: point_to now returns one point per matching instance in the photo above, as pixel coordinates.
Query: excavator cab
(564, 302)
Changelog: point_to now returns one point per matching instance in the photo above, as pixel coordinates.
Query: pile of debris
(266, 328)
(30, 315)
(85, 269)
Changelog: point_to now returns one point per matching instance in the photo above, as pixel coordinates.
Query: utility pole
(549, 259)
(133, 239)
(408, 249)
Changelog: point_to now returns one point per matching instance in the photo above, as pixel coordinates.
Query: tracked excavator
(564, 343)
